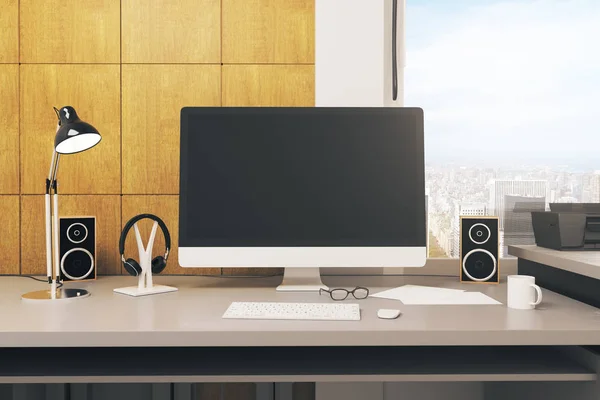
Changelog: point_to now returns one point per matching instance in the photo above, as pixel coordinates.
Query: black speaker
(77, 248)
(479, 249)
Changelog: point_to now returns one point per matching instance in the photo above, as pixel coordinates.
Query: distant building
(517, 219)
(460, 210)
(594, 194)
(499, 189)
(567, 199)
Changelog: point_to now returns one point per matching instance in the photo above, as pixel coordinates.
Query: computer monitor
(302, 188)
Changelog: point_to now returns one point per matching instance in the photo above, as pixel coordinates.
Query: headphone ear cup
(158, 264)
(132, 267)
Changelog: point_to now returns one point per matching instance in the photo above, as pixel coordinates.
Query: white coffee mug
(522, 292)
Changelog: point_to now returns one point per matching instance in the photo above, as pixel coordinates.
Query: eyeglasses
(358, 292)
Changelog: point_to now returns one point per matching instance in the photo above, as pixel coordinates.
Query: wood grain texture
(106, 209)
(153, 96)
(9, 129)
(167, 209)
(93, 90)
(269, 85)
(269, 31)
(70, 31)
(9, 31)
(9, 235)
(166, 31)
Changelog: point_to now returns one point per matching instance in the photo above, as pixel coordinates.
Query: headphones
(158, 263)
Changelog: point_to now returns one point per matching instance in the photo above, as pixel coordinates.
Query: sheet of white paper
(464, 298)
(427, 295)
(429, 288)
(414, 292)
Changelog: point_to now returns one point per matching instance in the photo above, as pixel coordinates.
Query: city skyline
(458, 190)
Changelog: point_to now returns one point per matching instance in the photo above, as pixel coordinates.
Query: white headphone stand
(145, 286)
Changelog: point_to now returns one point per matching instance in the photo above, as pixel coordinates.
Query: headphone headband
(137, 218)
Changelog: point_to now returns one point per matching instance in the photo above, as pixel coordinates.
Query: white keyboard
(298, 311)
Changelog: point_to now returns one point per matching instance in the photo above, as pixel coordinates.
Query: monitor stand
(301, 280)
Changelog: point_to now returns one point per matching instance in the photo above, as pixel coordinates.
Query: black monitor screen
(272, 177)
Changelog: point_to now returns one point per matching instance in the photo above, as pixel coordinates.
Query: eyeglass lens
(339, 294)
(360, 293)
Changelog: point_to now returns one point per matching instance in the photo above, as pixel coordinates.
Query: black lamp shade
(74, 135)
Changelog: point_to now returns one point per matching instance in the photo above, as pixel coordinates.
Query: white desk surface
(192, 317)
(581, 262)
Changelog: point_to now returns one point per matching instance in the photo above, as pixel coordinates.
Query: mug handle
(539, 295)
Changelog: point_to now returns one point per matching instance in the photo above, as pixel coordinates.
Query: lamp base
(61, 294)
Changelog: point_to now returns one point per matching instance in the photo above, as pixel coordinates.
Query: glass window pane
(510, 90)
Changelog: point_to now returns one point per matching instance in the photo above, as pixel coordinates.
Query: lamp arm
(54, 181)
(55, 239)
(54, 189)
(48, 237)
(49, 217)
(52, 251)
(51, 173)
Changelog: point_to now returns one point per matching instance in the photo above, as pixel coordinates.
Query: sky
(506, 80)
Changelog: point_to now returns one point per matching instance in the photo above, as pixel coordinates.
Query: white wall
(353, 53)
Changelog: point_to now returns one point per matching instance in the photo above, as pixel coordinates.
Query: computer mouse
(388, 313)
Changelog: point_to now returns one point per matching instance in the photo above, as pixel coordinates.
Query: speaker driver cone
(479, 265)
(77, 232)
(77, 263)
(479, 233)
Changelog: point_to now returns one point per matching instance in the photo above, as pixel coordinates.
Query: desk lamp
(72, 136)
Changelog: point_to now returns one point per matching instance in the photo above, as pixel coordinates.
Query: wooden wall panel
(70, 31)
(166, 31)
(70, 53)
(9, 31)
(93, 90)
(106, 209)
(9, 129)
(153, 96)
(268, 31)
(9, 234)
(167, 209)
(269, 85)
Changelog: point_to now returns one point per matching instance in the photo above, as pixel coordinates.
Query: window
(511, 95)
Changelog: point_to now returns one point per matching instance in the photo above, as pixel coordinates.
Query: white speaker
(359, 53)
